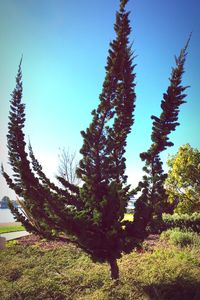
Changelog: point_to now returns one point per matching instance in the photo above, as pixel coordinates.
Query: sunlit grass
(167, 272)
(128, 217)
(12, 228)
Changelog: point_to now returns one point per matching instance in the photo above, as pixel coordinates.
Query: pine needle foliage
(91, 214)
(40, 196)
(153, 198)
(105, 192)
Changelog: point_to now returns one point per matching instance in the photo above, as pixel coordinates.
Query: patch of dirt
(33, 239)
(152, 240)
(149, 244)
(29, 240)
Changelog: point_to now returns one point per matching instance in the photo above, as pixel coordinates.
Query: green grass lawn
(165, 272)
(13, 228)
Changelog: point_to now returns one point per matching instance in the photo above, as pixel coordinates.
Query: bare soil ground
(33, 239)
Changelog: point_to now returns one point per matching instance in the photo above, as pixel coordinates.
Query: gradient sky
(64, 45)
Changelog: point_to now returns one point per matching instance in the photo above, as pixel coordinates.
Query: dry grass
(36, 269)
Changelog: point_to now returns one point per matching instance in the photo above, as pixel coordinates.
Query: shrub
(183, 221)
(181, 238)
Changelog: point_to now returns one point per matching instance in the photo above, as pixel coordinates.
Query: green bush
(183, 221)
(181, 238)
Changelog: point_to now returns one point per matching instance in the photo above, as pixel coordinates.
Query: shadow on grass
(181, 289)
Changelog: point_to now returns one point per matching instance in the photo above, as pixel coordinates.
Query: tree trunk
(114, 270)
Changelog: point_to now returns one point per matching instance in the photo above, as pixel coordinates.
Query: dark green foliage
(37, 195)
(93, 213)
(183, 221)
(104, 191)
(153, 198)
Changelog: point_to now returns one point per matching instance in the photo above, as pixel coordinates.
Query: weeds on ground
(65, 272)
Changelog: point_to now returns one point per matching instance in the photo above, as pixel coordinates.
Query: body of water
(6, 216)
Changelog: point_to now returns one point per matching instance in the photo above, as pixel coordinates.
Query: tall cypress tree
(24, 179)
(92, 214)
(153, 199)
(40, 196)
(105, 192)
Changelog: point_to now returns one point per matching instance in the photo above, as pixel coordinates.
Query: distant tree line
(91, 213)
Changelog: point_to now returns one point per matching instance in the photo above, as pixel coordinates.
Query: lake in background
(6, 216)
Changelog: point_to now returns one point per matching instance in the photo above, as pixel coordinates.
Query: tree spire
(123, 4)
(153, 200)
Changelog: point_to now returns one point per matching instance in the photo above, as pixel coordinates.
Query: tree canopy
(91, 215)
(183, 181)
(152, 201)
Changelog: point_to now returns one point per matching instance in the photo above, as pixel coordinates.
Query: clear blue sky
(64, 45)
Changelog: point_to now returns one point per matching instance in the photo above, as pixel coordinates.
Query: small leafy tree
(183, 181)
